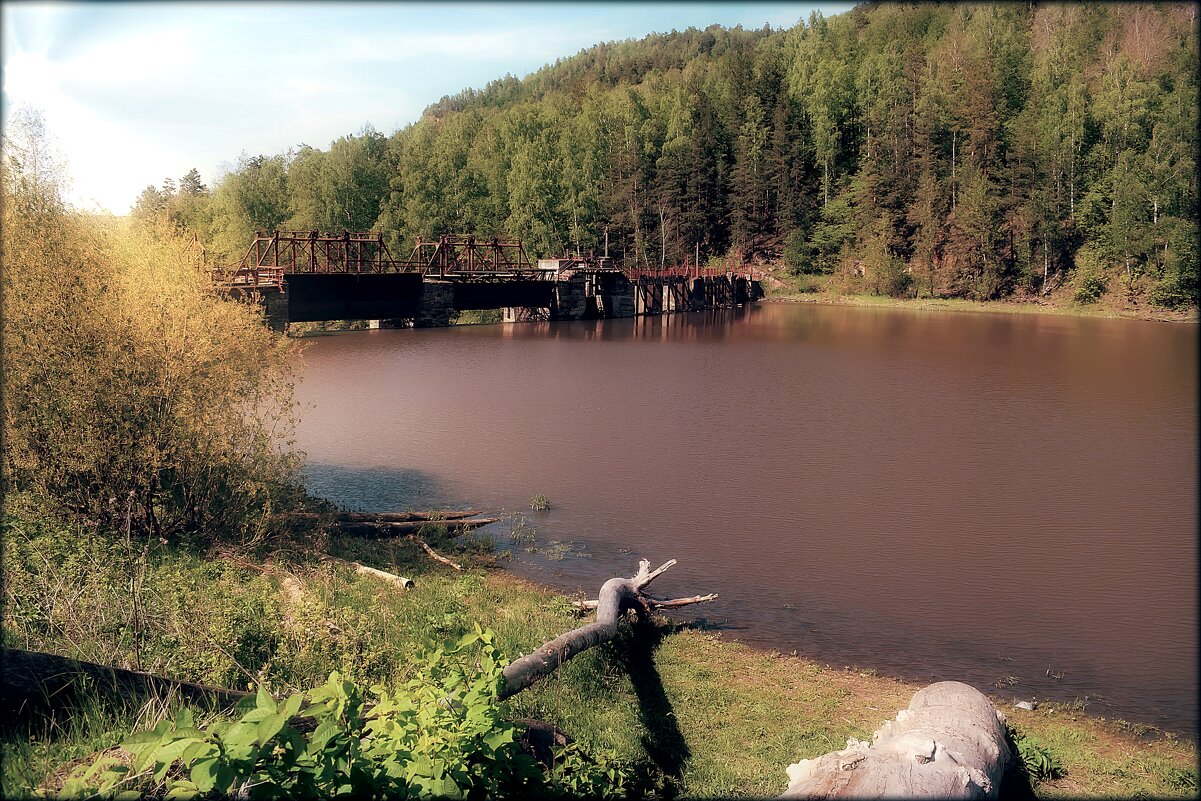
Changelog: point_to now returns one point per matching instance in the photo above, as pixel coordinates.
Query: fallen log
(364, 570)
(311, 519)
(616, 596)
(402, 528)
(949, 743)
(35, 683)
(405, 517)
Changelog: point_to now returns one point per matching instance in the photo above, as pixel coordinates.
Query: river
(1005, 499)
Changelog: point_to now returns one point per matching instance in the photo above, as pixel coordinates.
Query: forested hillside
(957, 150)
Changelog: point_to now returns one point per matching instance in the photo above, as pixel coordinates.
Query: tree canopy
(976, 149)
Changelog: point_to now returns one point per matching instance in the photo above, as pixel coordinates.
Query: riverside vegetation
(147, 472)
(973, 151)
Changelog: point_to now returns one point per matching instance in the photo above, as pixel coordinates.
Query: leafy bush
(1089, 288)
(440, 735)
(1040, 764)
(127, 383)
(1090, 275)
(797, 255)
(1170, 294)
(540, 503)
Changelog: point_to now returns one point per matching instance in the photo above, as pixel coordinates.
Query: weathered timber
(363, 570)
(437, 557)
(405, 517)
(616, 596)
(949, 743)
(399, 529)
(35, 683)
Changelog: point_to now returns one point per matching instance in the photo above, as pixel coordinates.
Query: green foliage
(796, 257)
(439, 735)
(540, 503)
(1037, 760)
(132, 396)
(991, 141)
(1183, 779)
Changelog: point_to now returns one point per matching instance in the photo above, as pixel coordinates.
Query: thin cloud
(137, 92)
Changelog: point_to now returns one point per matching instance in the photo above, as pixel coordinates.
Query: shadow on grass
(663, 741)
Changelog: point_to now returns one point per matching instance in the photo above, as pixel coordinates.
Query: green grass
(829, 289)
(695, 714)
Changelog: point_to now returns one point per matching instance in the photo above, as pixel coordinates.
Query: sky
(133, 93)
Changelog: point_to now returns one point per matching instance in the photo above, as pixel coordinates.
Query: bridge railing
(687, 271)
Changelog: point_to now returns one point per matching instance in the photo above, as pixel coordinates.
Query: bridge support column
(275, 306)
(571, 296)
(437, 304)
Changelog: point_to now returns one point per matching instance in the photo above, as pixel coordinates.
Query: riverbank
(705, 716)
(781, 287)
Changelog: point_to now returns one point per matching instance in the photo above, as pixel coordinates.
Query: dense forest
(950, 150)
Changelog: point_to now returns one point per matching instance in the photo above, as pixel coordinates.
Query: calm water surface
(1009, 500)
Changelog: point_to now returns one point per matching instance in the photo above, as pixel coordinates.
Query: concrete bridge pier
(436, 305)
(275, 306)
(571, 296)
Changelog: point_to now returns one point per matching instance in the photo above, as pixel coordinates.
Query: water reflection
(999, 498)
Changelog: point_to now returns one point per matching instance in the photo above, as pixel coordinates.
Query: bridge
(310, 276)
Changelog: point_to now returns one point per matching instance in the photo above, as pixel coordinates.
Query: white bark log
(949, 743)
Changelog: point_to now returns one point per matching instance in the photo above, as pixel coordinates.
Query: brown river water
(1008, 500)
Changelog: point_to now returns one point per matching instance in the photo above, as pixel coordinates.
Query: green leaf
(198, 750)
(140, 739)
(204, 774)
(498, 739)
(263, 699)
(269, 727)
(183, 789)
(292, 705)
(185, 720)
(257, 714)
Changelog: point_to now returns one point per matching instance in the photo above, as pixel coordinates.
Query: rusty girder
(321, 252)
(465, 255)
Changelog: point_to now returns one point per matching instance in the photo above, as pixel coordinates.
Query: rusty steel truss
(274, 254)
(454, 256)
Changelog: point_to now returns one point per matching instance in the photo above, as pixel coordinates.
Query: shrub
(1040, 764)
(440, 735)
(126, 379)
(1090, 275)
(1089, 288)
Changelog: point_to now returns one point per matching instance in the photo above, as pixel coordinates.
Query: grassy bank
(696, 714)
(784, 288)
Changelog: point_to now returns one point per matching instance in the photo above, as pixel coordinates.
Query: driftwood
(384, 528)
(363, 570)
(36, 683)
(616, 596)
(437, 557)
(405, 517)
(312, 519)
(949, 743)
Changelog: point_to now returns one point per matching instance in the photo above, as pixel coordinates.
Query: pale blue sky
(136, 92)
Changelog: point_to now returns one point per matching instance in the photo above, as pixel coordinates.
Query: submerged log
(36, 683)
(405, 517)
(402, 528)
(949, 743)
(616, 596)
